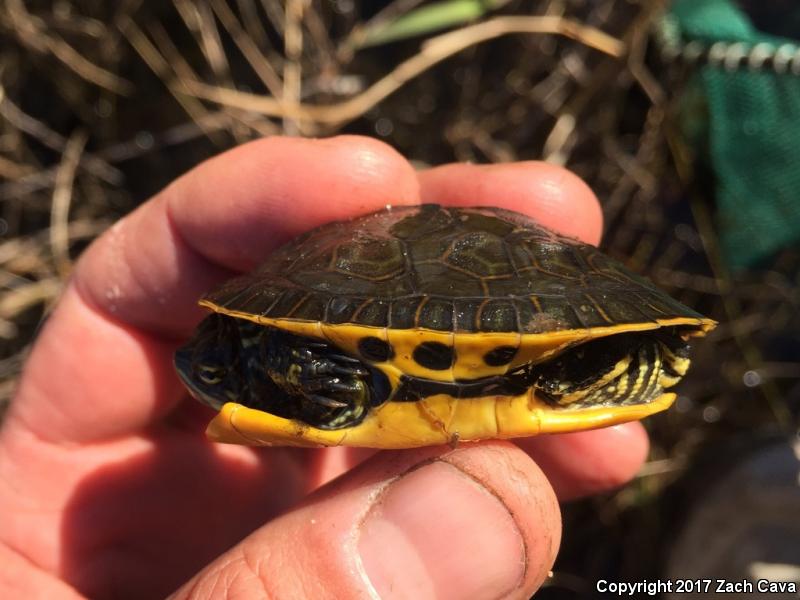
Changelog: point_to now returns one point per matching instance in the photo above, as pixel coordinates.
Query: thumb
(477, 522)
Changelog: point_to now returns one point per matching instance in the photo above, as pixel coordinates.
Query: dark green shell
(447, 269)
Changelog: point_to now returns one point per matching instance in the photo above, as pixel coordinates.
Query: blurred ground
(102, 104)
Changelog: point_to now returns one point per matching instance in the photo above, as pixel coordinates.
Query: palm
(161, 500)
(169, 509)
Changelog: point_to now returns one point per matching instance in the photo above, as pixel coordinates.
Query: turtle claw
(343, 358)
(349, 371)
(327, 402)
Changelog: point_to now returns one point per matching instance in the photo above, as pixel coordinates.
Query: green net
(742, 111)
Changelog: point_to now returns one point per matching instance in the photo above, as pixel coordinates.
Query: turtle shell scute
(447, 269)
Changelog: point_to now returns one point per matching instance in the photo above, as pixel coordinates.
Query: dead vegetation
(102, 104)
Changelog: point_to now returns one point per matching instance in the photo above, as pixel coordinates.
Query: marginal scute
(435, 313)
(372, 312)
(502, 355)
(467, 313)
(498, 315)
(434, 355)
(375, 349)
(341, 308)
(403, 312)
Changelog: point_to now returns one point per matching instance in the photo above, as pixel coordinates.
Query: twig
(23, 255)
(262, 67)
(252, 21)
(664, 465)
(200, 21)
(24, 122)
(391, 11)
(274, 14)
(433, 52)
(33, 34)
(159, 65)
(751, 353)
(62, 197)
(11, 170)
(731, 304)
(130, 149)
(638, 46)
(558, 145)
(182, 71)
(293, 47)
(29, 295)
(318, 31)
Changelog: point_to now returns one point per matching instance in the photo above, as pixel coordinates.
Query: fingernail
(437, 533)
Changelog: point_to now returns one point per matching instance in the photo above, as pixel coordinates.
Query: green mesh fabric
(745, 117)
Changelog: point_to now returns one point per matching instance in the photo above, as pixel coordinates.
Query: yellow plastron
(439, 419)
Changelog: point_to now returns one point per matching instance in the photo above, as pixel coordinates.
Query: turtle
(423, 325)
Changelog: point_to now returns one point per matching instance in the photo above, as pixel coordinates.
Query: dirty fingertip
(459, 527)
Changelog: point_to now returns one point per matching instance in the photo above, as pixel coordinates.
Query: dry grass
(102, 104)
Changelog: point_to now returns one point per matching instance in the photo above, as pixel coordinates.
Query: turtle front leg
(332, 390)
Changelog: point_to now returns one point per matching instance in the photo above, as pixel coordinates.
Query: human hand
(108, 487)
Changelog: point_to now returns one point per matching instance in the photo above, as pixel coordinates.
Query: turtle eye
(210, 374)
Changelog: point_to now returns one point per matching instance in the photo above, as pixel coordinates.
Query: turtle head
(209, 364)
(292, 376)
